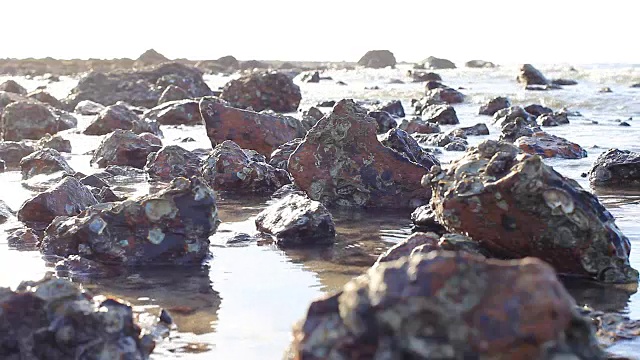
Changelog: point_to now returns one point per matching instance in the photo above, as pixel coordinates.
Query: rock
(26, 120)
(263, 90)
(115, 117)
(436, 63)
(296, 220)
(509, 115)
(253, 64)
(23, 239)
(151, 139)
(564, 82)
(417, 125)
(55, 142)
(394, 108)
(5, 212)
(12, 152)
(384, 121)
(228, 168)
(550, 146)
(88, 107)
(440, 140)
(440, 114)
(401, 142)
(150, 57)
(341, 162)
(45, 161)
(424, 220)
(46, 98)
(444, 95)
(378, 59)
(280, 157)
(172, 226)
(310, 77)
(616, 168)
(327, 103)
(456, 145)
(67, 198)
(494, 105)
(518, 128)
(13, 87)
(229, 62)
(314, 113)
(423, 76)
(531, 76)
(173, 93)
(75, 267)
(3, 166)
(553, 119)
(518, 206)
(636, 85)
(605, 90)
(423, 243)
(93, 181)
(54, 319)
(250, 130)
(624, 123)
(475, 130)
(537, 110)
(479, 64)
(450, 306)
(180, 112)
(137, 87)
(172, 162)
(123, 147)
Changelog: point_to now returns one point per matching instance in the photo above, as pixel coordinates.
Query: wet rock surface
(384, 121)
(394, 108)
(436, 300)
(26, 120)
(45, 98)
(173, 93)
(180, 112)
(517, 206)
(123, 147)
(440, 114)
(552, 119)
(417, 125)
(296, 220)
(114, 117)
(11, 152)
(341, 162)
(550, 146)
(529, 75)
(88, 107)
(616, 168)
(423, 243)
(378, 59)
(250, 130)
(423, 76)
(400, 141)
(172, 162)
(45, 161)
(475, 130)
(67, 198)
(494, 105)
(55, 319)
(137, 87)
(172, 226)
(229, 168)
(263, 90)
(280, 157)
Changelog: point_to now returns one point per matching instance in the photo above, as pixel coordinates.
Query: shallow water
(242, 302)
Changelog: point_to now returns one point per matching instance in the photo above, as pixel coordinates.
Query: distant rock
(606, 89)
(537, 110)
(88, 107)
(479, 64)
(13, 87)
(394, 108)
(475, 130)
(440, 114)
(150, 57)
(564, 82)
(531, 76)
(253, 64)
(542, 87)
(229, 62)
(423, 76)
(417, 125)
(310, 77)
(553, 119)
(636, 85)
(495, 104)
(263, 90)
(436, 63)
(378, 59)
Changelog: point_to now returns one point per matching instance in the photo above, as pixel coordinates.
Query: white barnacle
(558, 198)
(155, 236)
(97, 225)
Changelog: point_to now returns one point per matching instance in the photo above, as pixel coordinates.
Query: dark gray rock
(531, 76)
(378, 59)
(173, 93)
(440, 114)
(494, 105)
(616, 168)
(12, 152)
(400, 141)
(384, 121)
(394, 108)
(437, 63)
(123, 147)
(280, 157)
(88, 107)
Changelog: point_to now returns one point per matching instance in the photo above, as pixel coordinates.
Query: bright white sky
(541, 31)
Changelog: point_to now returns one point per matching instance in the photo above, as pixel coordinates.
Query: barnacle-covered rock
(517, 206)
(263, 90)
(341, 162)
(54, 319)
(446, 305)
(32, 120)
(250, 130)
(172, 162)
(229, 168)
(401, 142)
(45, 161)
(124, 148)
(172, 226)
(616, 168)
(550, 146)
(296, 220)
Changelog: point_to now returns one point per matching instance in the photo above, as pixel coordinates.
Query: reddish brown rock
(250, 130)
(67, 198)
(446, 305)
(280, 157)
(228, 168)
(263, 90)
(45, 161)
(173, 93)
(118, 116)
(12, 152)
(13, 87)
(151, 139)
(417, 125)
(123, 147)
(423, 243)
(46, 98)
(181, 112)
(341, 162)
(26, 120)
(550, 146)
(55, 142)
(517, 206)
(495, 104)
(172, 162)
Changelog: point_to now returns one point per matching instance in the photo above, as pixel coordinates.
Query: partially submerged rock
(400, 141)
(310, 77)
(616, 168)
(550, 146)
(479, 64)
(88, 107)
(478, 129)
(423, 243)
(12, 152)
(517, 206)
(341, 162)
(55, 142)
(564, 82)
(494, 105)
(445, 305)
(440, 114)
(296, 220)
(229, 168)
(13, 87)
(384, 121)
(67, 198)
(114, 117)
(417, 125)
(436, 63)
(171, 162)
(531, 76)
(172, 226)
(423, 76)
(443, 94)
(536, 110)
(55, 319)
(263, 90)
(378, 59)
(250, 130)
(180, 112)
(28, 120)
(553, 119)
(45, 161)
(123, 147)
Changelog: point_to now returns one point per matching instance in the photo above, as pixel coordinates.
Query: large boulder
(494, 105)
(296, 220)
(118, 116)
(45, 98)
(31, 120)
(88, 107)
(137, 87)
(616, 168)
(518, 206)
(55, 142)
(341, 162)
(56, 319)
(263, 90)
(445, 305)
(378, 59)
(440, 114)
(13, 87)
(173, 93)
(123, 147)
(400, 141)
(67, 198)
(45, 161)
(531, 76)
(550, 146)
(172, 162)
(172, 226)
(437, 63)
(12, 152)
(229, 168)
(180, 112)
(251, 130)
